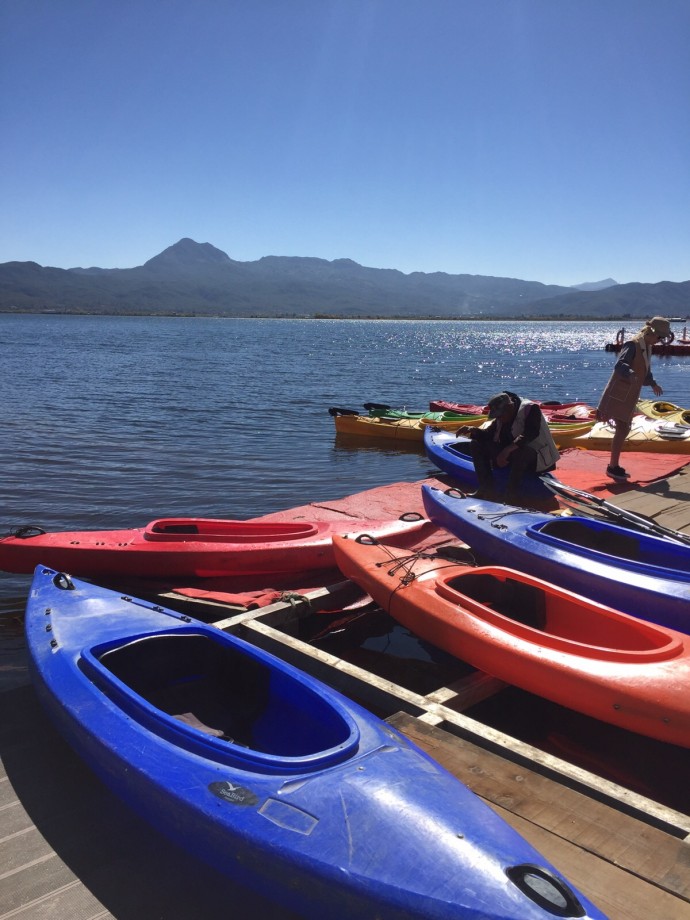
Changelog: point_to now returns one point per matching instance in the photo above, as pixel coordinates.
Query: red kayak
(553, 411)
(195, 547)
(546, 640)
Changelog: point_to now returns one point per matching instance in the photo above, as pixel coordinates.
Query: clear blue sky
(540, 139)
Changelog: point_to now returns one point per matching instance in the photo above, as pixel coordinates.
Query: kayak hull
(195, 548)
(646, 434)
(399, 429)
(597, 559)
(413, 429)
(557, 412)
(264, 772)
(548, 641)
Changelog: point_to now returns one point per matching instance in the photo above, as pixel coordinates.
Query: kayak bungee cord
(449, 555)
(495, 517)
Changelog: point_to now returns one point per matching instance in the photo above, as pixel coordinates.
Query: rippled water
(110, 422)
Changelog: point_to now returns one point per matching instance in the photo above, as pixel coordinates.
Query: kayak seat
(190, 719)
(511, 598)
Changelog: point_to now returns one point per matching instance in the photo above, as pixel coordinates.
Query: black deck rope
(25, 530)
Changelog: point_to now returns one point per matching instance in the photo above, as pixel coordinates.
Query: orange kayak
(534, 635)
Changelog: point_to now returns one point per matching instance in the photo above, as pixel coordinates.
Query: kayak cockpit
(461, 448)
(531, 610)
(214, 698)
(184, 530)
(599, 539)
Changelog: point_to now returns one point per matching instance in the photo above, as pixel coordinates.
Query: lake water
(111, 422)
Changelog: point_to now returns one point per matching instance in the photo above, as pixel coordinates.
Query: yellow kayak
(658, 409)
(565, 434)
(405, 429)
(646, 434)
(413, 429)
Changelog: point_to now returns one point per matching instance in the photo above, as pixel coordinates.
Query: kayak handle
(334, 410)
(28, 530)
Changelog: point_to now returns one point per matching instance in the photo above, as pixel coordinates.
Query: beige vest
(547, 453)
(619, 399)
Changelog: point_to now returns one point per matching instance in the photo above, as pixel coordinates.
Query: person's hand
(463, 431)
(503, 459)
(656, 389)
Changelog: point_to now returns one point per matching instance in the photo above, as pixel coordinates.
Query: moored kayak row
(412, 429)
(643, 646)
(581, 650)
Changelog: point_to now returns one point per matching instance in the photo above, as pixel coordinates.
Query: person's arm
(623, 366)
(649, 381)
(477, 433)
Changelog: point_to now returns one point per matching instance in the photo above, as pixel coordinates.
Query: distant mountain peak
(595, 285)
(188, 253)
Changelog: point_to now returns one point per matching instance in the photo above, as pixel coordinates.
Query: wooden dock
(70, 851)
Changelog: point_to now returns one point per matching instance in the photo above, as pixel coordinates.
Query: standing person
(517, 436)
(630, 373)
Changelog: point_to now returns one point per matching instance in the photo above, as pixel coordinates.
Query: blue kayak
(271, 776)
(637, 573)
(452, 455)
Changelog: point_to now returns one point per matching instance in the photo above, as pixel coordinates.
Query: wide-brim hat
(660, 326)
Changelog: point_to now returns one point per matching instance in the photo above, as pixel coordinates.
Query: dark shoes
(617, 473)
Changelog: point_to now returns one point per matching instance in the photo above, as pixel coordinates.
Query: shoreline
(472, 318)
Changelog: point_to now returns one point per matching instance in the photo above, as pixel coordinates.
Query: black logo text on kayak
(235, 795)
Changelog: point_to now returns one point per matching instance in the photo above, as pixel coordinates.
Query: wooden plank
(620, 894)
(71, 900)
(83, 854)
(666, 501)
(572, 826)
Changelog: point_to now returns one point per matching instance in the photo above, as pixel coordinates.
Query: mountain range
(191, 278)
